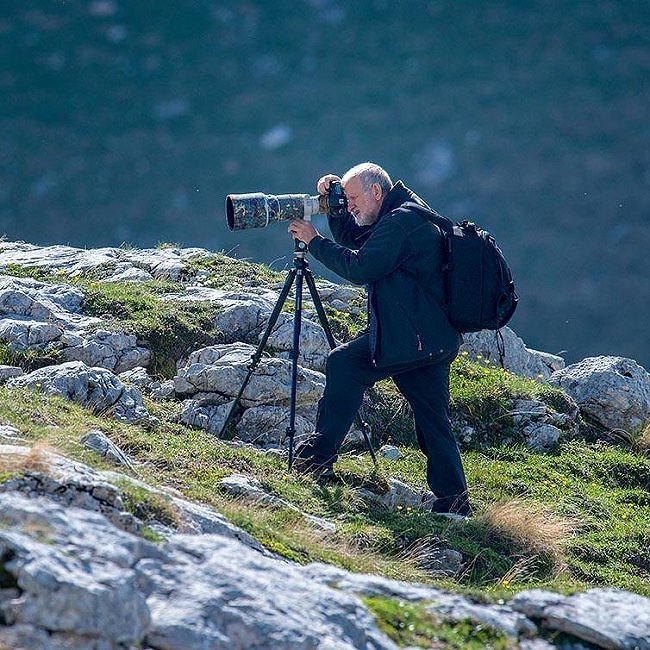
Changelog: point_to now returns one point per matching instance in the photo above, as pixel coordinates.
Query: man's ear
(377, 192)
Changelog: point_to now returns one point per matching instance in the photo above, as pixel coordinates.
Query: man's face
(364, 206)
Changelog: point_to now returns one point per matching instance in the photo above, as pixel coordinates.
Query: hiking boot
(453, 508)
(321, 472)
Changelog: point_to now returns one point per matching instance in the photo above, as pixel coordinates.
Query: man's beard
(364, 220)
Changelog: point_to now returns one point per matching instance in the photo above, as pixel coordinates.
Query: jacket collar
(398, 195)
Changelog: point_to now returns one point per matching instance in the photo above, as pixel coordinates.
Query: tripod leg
(295, 351)
(320, 310)
(322, 317)
(257, 355)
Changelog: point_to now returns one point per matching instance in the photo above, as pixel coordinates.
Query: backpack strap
(445, 224)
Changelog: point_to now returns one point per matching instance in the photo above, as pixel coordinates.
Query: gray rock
(390, 452)
(533, 602)
(190, 593)
(98, 441)
(9, 372)
(163, 391)
(518, 359)
(211, 418)
(264, 425)
(251, 489)
(223, 368)
(95, 388)
(42, 316)
(400, 495)
(446, 605)
(115, 351)
(314, 347)
(137, 376)
(541, 437)
(127, 272)
(612, 390)
(7, 432)
(609, 618)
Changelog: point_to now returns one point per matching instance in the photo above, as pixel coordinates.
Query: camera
(258, 210)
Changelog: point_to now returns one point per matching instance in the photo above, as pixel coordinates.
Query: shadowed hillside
(130, 122)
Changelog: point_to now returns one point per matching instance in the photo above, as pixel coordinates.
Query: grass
(411, 624)
(564, 521)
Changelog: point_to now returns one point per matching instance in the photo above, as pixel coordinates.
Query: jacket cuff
(314, 244)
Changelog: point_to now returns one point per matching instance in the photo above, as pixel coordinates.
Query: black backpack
(479, 289)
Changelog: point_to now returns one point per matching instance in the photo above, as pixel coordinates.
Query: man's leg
(349, 372)
(427, 391)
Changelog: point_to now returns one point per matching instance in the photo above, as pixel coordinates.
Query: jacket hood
(398, 195)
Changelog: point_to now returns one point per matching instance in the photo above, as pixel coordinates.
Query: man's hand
(302, 230)
(323, 184)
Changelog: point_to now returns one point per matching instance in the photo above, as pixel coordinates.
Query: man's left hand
(302, 230)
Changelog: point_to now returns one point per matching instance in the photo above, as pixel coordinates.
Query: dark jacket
(400, 258)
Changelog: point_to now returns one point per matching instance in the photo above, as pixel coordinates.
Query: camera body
(258, 210)
(337, 204)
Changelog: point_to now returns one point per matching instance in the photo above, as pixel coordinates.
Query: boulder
(89, 579)
(98, 441)
(249, 488)
(264, 425)
(95, 388)
(9, 372)
(613, 391)
(209, 417)
(518, 359)
(222, 369)
(47, 317)
(609, 618)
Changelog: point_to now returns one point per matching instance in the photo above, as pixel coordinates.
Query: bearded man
(397, 253)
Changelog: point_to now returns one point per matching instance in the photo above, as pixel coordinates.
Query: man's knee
(338, 361)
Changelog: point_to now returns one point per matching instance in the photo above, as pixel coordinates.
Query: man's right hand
(323, 184)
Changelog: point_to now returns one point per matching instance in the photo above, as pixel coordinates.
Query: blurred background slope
(130, 121)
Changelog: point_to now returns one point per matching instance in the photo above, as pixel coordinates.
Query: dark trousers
(349, 373)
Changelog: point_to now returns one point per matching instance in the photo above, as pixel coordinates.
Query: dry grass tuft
(643, 443)
(534, 533)
(37, 459)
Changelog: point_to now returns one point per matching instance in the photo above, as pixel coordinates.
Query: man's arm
(382, 252)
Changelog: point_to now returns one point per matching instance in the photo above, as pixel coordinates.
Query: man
(397, 253)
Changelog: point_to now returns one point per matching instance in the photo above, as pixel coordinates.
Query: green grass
(411, 624)
(602, 488)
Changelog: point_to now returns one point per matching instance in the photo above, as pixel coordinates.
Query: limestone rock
(314, 347)
(42, 316)
(390, 452)
(251, 489)
(94, 388)
(115, 351)
(400, 495)
(190, 593)
(9, 372)
(137, 376)
(98, 441)
(209, 417)
(614, 391)
(518, 359)
(223, 368)
(263, 425)
(609, 618)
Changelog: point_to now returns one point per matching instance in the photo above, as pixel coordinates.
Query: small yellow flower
(479, 356)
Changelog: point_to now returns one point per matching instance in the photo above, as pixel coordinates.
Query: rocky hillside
(126, 521)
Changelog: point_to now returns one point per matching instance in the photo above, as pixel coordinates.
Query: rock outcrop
(614, 391)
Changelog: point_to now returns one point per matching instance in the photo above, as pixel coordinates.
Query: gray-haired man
(397, 253)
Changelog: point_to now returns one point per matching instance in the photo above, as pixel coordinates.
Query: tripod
(298, 273)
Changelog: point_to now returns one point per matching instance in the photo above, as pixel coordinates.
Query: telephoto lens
(258, 210)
